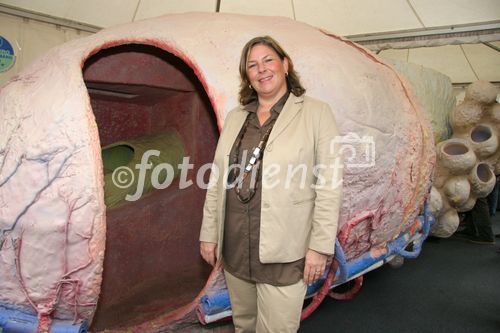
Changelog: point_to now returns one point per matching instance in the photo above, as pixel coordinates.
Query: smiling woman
(266, 72)
(263, 59)
(273, 276)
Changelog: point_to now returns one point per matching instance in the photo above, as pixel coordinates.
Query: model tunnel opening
(148, 101)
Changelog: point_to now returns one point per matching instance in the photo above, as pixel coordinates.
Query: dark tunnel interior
(152, 264)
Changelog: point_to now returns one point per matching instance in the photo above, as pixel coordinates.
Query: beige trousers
(263, 308)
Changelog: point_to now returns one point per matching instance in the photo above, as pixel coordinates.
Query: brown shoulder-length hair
(247, 94)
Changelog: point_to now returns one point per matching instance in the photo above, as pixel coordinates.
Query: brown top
(242, 222)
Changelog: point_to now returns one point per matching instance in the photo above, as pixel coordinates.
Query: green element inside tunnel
(123, 165)
(116, 156)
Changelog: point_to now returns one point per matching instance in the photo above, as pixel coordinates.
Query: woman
(272, 214)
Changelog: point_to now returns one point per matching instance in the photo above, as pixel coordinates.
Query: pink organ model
(92, 105)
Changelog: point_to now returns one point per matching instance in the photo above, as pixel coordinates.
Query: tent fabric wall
(462, 63)
(343, 17)
(31, 39)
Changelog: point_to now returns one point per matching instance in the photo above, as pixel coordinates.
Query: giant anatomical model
(65, 257)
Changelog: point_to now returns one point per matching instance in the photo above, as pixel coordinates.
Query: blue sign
(7, 56)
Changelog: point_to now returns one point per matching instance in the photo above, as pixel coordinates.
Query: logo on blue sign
(7, 56)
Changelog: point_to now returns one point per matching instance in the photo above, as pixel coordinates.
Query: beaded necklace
(254, 161)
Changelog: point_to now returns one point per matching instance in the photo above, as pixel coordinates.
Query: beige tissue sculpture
(467, 162)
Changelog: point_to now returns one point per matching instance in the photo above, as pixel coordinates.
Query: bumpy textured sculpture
(469, 160)
(180, 72)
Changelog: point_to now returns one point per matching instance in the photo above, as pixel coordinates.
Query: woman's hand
(207, 251)
(314, 266)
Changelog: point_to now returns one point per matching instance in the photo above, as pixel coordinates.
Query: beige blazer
(301, 176)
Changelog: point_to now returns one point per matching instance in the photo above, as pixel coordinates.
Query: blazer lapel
(292, 106)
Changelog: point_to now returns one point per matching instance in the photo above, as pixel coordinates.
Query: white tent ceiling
(343, 17)
(356, 19)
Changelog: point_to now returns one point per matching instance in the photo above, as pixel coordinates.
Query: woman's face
(266, 71)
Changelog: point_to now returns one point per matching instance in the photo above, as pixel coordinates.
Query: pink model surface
(63, 253)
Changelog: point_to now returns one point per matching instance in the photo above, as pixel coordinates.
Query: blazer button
(269, 147)
(265, 205)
